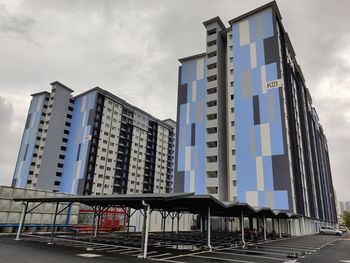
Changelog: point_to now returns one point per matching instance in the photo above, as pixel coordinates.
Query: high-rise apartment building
(247, 128)
(94, 143)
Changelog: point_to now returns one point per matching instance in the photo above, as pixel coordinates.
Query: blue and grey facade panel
(191, 125)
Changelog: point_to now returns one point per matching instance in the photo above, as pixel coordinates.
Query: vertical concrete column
(21, 222)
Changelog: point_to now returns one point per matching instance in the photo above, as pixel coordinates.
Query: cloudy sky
(131, 49)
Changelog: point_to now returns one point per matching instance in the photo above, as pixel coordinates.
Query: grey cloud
(8, 141)
(16, 24)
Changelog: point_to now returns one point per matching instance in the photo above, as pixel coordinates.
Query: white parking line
(102, 248)
(255, 251)
(244, 255)
(287, 249)
(291, 246)
(159, 255)
(225, 259)
(120, 250)
(128, 252)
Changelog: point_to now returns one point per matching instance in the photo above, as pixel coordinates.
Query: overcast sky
(131, 48)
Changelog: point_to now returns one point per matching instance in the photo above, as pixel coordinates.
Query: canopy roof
(170, 202)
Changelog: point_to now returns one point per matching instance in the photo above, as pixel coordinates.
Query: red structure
(113, 219)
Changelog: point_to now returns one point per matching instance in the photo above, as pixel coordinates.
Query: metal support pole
(144, 243)
(242, 228)
(172, 224)
(264, 226)
(178, 223)
(21, 222)
(202, 224)
(92, 231)
(54, 224)
(128, 216)
(143, 233)
(279, 227)
(146, 233)
(164, 224)
(97, 224)
(289, 223)
(209, 229)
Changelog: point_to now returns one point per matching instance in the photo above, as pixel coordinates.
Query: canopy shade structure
(170, 202)
(124, 200)
(207, 206)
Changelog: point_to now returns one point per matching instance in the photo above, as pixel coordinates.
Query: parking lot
(184, 247)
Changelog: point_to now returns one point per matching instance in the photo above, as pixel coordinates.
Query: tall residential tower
(247, 129)
(94, 143)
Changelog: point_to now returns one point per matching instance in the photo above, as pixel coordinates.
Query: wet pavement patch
(88, 255)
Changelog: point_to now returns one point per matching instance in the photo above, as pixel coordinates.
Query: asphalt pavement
(313, 248)
(333, 252)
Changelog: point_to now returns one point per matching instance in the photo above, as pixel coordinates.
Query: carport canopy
(204, 205)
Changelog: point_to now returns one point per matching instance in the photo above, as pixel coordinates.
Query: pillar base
(89, 249)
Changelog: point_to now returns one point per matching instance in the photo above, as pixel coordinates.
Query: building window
(213, 116)
(59, 174)
(60, 165)
(212, 130)
(212, 103)
(212, 144)
(57, 183)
